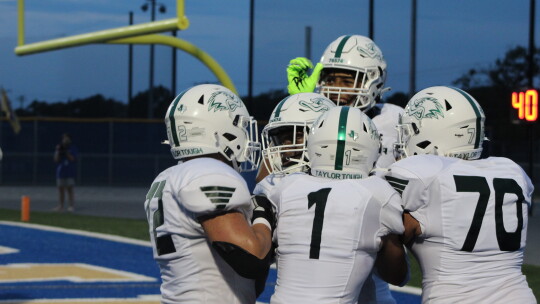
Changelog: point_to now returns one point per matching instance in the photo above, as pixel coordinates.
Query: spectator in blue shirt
(65, 156)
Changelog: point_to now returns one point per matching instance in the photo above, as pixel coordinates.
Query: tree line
(491, 86)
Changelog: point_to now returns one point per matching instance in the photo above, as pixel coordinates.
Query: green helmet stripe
(278, 108)
(342, 133)
(171, 118)
(478, 116)
(341, 45)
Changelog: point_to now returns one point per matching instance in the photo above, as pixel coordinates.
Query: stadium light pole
(250, 55)
(130, 66)
(308, 42)
(162, 9)
(371, 29)
(412, 72)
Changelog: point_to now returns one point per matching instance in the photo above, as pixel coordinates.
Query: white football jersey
(191, 270)
(473, 215)
(328, 234)
(267, 184)
(386, 123)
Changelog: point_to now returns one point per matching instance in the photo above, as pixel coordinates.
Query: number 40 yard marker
(527, 104)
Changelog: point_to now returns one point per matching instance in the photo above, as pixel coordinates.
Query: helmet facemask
(248, 159)
(351, 87)
(284, 148)
(284, 137)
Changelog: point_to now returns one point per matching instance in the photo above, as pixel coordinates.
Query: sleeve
(391, 216)
(529, 187)
(410, 186)
(214, 194)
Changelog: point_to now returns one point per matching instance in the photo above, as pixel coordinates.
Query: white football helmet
(360, 56)
(343, 144)
(284, 137)
(441, 121)
(209, 118)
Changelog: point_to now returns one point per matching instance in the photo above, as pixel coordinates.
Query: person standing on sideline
(65, 156)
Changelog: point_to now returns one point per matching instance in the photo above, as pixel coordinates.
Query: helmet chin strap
(235, 165)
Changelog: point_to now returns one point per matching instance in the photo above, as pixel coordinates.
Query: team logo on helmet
(315, 104)
(223, 101)
(370, 50)
(353, 135)
(425, 107)
(181, 108)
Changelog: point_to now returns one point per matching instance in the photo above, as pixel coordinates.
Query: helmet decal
(370, 51)
(171, 118)
(278, 109)
(181, 108)
(420, 109)
(340, 50)
(478, 111)
(353, 135)
(223, 101)
(315, 104)
(342, 131)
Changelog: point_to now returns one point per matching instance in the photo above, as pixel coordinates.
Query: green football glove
(299, 81)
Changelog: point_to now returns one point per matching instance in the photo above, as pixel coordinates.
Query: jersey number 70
(508, 241)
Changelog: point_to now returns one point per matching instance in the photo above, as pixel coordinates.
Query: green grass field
(138, 229)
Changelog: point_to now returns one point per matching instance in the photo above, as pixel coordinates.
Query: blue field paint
(406, 298)
(37, 246)
(40, 246)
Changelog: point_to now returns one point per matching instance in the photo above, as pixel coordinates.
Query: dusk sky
(452, 37)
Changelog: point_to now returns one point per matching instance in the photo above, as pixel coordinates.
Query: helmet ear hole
(424, 144)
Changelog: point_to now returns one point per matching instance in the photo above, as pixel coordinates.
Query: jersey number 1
(317, 198)
(508, 241)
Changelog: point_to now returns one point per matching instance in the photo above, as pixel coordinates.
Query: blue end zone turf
(132, 262)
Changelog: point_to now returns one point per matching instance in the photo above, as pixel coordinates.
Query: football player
(284, 137)
(335, 224)
(352, 72)
(467, 219)
(199, 210)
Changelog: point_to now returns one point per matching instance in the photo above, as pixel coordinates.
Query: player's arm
(233, 228)
(391, 262)
(412, 229)
(245, 247)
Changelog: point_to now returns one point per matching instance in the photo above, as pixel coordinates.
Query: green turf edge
(131, 228)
